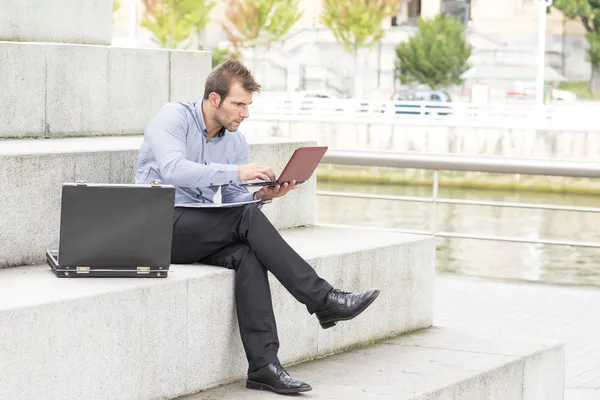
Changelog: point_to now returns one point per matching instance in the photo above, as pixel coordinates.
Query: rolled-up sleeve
(166, 136)
(234, 193)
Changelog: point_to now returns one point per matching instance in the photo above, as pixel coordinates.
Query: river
(521, 261)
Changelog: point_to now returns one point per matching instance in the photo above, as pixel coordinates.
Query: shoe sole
(263, 386)
(331, 323)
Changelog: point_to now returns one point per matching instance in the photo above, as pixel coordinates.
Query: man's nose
(244, 113)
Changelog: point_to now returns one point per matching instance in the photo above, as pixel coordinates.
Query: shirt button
(230, 181)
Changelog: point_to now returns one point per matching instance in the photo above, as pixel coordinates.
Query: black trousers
(243, 239)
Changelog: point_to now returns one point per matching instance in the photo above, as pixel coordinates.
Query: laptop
(114, 230)
(299, 168)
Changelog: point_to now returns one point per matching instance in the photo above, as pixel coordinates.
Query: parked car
(420, 102)
(308, 99)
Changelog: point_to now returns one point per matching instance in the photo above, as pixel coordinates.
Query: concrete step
(57, 90)
(429, 364)
(139, 339)
(90, 22)
(32, 172)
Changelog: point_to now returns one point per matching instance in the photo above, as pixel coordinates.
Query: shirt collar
(202, 124)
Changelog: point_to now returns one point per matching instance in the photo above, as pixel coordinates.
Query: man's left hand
(268, 193)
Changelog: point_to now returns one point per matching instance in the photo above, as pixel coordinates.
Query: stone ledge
(85, 90)
(32, 171)
(176, 336)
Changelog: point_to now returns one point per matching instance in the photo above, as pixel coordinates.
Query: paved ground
(570, 314)
(581, 394)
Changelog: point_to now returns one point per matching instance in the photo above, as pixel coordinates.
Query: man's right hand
(248, 172)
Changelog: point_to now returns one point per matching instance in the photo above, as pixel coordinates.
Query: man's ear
(214, 99)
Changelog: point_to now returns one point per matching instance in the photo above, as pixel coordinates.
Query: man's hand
(269, 193)
(248, 172)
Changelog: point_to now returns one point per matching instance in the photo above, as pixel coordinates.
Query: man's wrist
(257, 197)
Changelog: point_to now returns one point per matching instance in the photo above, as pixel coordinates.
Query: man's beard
(229, 126)
(223, 124)
(219, 122)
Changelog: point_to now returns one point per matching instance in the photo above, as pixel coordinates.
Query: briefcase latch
(156, 183)
(83, 270)
(143, 270)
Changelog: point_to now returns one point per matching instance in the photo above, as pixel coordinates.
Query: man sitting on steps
(197, 147)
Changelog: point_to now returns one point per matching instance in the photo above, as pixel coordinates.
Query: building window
(414, 8)
(460, 9)
(409, 10)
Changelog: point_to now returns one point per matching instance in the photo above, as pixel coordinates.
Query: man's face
(234, 109)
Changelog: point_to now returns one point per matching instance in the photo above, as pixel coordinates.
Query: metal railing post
(434, 204)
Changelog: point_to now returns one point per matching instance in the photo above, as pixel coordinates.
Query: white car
(563, 95)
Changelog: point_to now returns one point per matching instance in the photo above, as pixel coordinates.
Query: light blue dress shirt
(176, 150)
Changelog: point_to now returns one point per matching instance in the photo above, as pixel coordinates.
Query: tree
(172, 22)
(252, 23)
(115, 7)
(588, 12)
(220, 55)
(357, 24)
(437, 55)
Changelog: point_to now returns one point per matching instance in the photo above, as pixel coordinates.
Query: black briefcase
(114, 230)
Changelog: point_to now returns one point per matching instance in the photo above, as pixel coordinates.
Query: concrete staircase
(75, 112)
(434, 363)
(153, 339)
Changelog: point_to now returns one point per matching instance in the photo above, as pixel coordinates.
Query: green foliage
(574, 9)
(172, 22)
(593, 52)
(357, 24)
(581, 88)
(220, 55)
(116, 5)
(251, 23)
(437, 55)
(588, 12)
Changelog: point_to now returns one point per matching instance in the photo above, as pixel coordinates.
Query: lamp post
(541, 65)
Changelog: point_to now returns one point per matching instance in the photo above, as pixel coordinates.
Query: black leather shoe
(274, 378)
(343, 306)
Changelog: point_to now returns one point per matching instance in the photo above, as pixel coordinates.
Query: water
(523, 261)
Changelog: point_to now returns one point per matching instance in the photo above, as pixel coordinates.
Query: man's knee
(251, 214)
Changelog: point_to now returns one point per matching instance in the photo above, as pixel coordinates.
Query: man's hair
(220, 79)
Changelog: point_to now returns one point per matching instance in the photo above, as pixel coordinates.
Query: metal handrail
(420, 199)
(447, 162)
(452, 162)
(332, 104)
